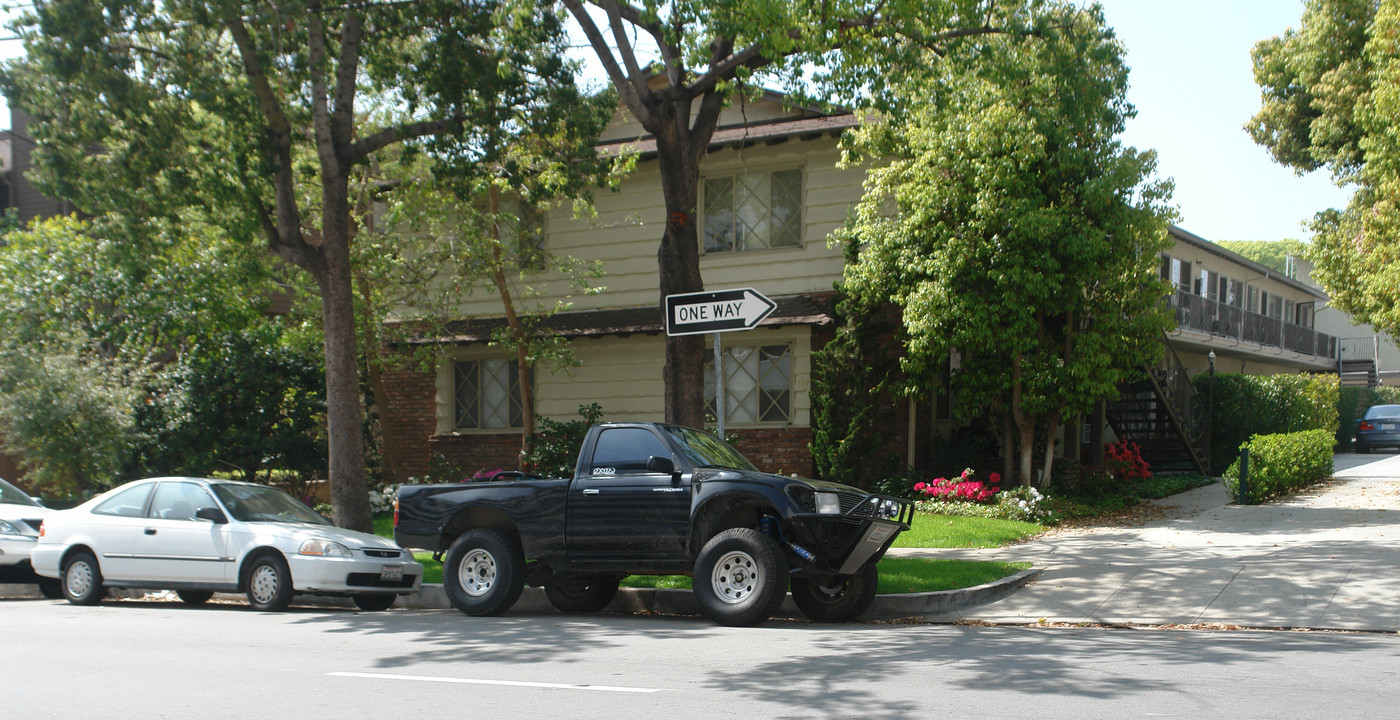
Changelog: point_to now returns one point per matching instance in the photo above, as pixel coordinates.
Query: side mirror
(658, 464)
(211, 514)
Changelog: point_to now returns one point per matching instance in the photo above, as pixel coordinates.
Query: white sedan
(198, 536)
(20, 516)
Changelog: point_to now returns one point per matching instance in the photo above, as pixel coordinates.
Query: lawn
(897, 575)
(953, 531)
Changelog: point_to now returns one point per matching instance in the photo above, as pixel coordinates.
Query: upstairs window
(753, 211)
(486, 394)
(757, 384)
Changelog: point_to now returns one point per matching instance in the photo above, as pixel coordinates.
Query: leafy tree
(845, 50)
(1272, 254)
(1331, 99)
(87, 321)
(257, 114)
(1009, 225)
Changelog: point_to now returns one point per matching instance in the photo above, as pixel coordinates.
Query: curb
(657, 601)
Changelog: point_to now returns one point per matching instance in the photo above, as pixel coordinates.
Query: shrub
(553, 450)
(1283, 463)
(1248, 405)
(1123, 460)
(963, 487)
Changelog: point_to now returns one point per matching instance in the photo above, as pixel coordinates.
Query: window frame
(515, 411)
(738, 172)
(789, 392)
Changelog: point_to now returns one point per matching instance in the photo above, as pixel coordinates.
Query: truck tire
(582, 594)
(836, 598)
(740, 577)
(484, 572)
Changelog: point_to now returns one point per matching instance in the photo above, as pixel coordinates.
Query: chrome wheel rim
(477, 572)
(736, 576)
(78, 579)
(263, 584)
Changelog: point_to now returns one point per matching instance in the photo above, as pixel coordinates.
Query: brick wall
(777, 450)
(409, 416)
(472, 453)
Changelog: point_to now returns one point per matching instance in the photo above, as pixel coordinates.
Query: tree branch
(620, 80)
(390, 135)
(320, 109)
(347, 72)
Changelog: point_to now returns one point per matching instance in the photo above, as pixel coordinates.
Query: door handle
(591, 491)
(150, 531)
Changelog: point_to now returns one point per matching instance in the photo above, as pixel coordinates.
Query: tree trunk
(1024, 423)
(517, 332)
(1008, 457)
(1049, 449)
(679, 263)
(344, 413)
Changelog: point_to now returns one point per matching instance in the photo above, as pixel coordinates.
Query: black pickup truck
(654, 499)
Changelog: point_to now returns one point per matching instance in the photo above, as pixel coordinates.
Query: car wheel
(194, 597)
(583, 594)
(740, 577)
(50, 588)
(269, 583)
(374, 602)
(82, 580)
(484, 572)
(836, 598)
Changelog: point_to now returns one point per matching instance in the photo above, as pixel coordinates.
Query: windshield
(706, 450)
(12, 495)
(259, 503)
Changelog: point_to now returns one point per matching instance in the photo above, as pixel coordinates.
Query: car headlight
(9, 528)
(828, 503)
(324, 548)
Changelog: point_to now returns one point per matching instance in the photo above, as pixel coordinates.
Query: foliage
(1353, 402)
(1331, 99)
(1007, 221)
(553, 451)
(1272, 254)
(1021, 503)
(297, 99)
(1124, 462)
(1283, 462)
(91, 320)
(1247, 405)
(244, 403)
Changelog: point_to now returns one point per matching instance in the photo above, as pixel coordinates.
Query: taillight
(42, 525)
(396, 512)
(1365, 425)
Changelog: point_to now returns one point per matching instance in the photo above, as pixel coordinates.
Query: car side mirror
(658, 464)
(211, 514)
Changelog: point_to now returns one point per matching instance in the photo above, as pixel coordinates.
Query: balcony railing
(1201, 314)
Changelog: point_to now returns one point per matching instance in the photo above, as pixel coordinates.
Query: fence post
(1244, 477)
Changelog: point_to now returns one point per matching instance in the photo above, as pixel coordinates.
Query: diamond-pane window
(487, 394)
(757, 384)
(753, 211)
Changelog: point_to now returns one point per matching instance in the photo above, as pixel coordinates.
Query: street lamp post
(1210, 406)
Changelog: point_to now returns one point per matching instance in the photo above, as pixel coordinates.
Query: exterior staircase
(1165, 416)
(1358, 361)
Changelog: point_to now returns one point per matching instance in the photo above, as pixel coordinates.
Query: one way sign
(714, 312)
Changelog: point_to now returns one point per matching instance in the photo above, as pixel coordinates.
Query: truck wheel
(484, 572)
(836, 598)
(740, 577)
(583, 594)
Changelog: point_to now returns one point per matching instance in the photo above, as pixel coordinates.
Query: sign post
(717, 312)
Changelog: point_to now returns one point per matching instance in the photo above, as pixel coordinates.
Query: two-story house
(771, 195)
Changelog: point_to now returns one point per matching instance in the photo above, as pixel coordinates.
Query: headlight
(324, 548)
(828, 503)
(9, 528)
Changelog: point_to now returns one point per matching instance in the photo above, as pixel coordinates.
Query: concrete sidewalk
(1328, 558)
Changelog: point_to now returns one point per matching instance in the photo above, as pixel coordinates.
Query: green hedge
(1249, 405)
(1353, 402)
(1283, 463)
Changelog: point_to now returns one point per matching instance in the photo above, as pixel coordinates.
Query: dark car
(1379, 427)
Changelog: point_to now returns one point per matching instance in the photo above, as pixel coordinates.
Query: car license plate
(1387, 426)
(391, 573)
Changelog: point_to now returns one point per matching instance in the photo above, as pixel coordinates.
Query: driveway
(1328, 558)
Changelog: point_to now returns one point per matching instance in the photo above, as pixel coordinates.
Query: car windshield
(706, 450)
(11, 495)
(1383, 411)
(259, 503)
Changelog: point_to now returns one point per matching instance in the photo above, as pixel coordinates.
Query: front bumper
(861, 534)
(15, 549)
(355, 575)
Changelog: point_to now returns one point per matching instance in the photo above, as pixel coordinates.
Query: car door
(110, 528)
(620, 509)
(175, 546)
